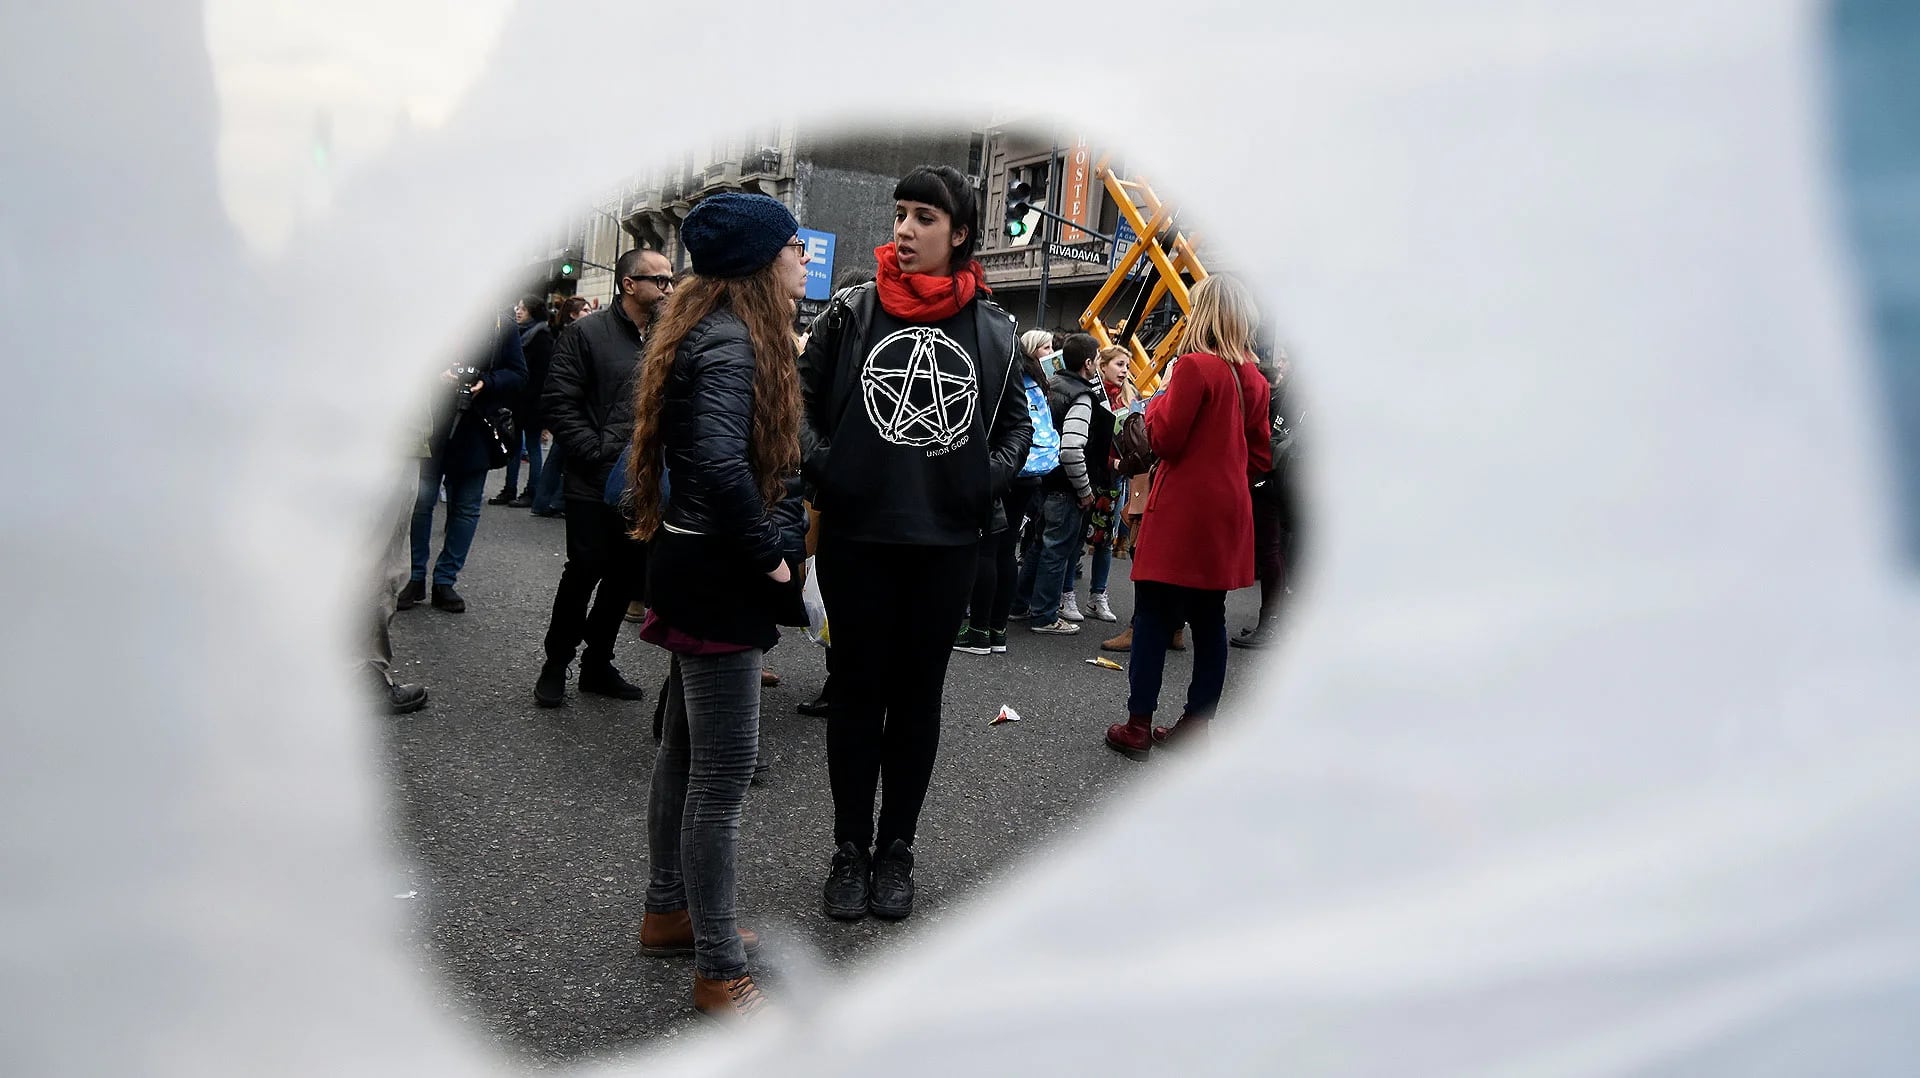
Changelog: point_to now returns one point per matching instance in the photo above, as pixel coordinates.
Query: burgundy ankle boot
(1190, 730)
(1132, 739)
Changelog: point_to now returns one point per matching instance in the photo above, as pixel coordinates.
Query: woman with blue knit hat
(717, 409)
(914, 423)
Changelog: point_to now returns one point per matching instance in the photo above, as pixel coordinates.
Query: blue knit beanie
(733, 235)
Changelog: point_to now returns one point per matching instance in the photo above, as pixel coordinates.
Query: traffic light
(570, 264)
(1019, 206)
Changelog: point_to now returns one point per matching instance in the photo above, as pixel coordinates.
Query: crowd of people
(944, 474)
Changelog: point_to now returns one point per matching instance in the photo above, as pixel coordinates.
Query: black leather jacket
(706, 423)
(588, 398)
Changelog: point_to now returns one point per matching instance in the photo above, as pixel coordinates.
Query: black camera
(464, 379)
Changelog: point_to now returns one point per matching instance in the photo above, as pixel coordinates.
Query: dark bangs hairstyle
(773, 439)
(944, 186)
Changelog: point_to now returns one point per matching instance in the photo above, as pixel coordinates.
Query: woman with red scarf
(914, 422)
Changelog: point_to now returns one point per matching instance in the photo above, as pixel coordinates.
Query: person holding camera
(457, 457)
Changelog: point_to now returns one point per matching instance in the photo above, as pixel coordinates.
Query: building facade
(838, 185)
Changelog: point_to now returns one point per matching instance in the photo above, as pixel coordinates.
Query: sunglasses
(662, 281)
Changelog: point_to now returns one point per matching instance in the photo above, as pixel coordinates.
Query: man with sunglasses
(588, 405)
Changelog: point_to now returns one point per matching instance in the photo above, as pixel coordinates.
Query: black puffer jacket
(588, 399)
(706, 427)
(708, 574)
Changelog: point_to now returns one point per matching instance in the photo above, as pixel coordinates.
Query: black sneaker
(972, 641)
(412, 595)
(606, 681)
(524, 501)
(847, 884)
(445, 598)
(505, 497)
(893, 882)
(997, 641)
(551, 689)
(1260, 636)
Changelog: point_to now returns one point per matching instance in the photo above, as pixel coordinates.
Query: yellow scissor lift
(1172, 264)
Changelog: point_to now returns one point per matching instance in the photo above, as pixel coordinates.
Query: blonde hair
(1222, 320)
(1031, 340)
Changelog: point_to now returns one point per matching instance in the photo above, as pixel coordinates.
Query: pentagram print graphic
(919, 388)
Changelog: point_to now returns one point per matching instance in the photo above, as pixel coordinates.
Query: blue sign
(1124, 238)
(819, 263)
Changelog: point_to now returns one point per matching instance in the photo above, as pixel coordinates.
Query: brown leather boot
(1190, 731)
(1133, 738)
(1123, 642)
(663, 935)
(737, 1000)
(1179, 639)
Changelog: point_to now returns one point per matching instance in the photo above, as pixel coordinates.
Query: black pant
(600, 553)
(995, 572)
(894, 611)
(1272, 542)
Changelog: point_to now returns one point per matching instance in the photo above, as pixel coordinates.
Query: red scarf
(922, 297)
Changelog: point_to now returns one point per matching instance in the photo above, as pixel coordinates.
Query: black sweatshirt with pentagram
(909, 456)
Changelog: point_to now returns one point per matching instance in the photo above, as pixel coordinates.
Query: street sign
(819, 263)
(1087, 253)
(1124, 238)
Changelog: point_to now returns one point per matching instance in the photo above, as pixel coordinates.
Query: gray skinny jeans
(709, 744)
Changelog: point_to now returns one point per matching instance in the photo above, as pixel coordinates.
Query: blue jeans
(1065, 526)
(531, 440)
(710, 741)
(464, 492)
(1102, 566)
(547, 485)
(1158, 611)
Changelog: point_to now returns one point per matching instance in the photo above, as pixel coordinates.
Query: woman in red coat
(1209, 429)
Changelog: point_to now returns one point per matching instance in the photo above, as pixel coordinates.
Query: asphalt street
(525, 828)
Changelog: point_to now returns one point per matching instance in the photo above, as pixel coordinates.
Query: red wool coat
(1198, 528)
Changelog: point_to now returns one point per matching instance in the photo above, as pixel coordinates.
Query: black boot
(821, 704)
(505, 497)
(445, 598)
(848, 884)
(551, 689)
(397, 699)
(405, 699)
(605, 680)
(892, 896)
(412, 595)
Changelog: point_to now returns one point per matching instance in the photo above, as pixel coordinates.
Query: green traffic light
(1016, 229)
(566, 268)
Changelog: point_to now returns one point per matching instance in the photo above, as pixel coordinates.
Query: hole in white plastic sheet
(1599, 757)
(528, 825)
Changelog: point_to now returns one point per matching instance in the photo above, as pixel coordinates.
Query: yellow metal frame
(1143, 210)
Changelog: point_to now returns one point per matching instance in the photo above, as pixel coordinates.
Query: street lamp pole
(1046, 252)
